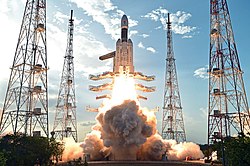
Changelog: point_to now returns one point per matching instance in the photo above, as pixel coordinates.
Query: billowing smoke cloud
(72, 150)
(128, 132)
(153, 149)
(124, 128)
(182, 150)
(93, 145)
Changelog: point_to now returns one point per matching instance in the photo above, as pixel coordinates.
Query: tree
(236, 150)
(27, 150)
(2, 159)
(56, 148)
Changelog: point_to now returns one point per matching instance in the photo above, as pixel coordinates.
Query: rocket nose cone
(124, 21)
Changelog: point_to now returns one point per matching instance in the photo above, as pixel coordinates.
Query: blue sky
(96, 31)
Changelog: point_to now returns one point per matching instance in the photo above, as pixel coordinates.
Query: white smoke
(124, 128)
(72, 150)
(124, 125)
(152, 149)
(182, 150)
(128, 132)
(93, 145)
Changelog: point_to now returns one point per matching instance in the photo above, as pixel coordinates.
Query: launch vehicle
(122, 64)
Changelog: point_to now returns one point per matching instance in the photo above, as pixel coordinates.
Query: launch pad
(147, 163)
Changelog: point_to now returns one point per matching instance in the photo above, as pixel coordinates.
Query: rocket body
(123, 59)
(122, 64)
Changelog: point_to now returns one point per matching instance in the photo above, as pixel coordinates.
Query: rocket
(122, 63)
(123, 56)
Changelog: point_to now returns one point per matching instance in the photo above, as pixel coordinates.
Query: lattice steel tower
(26, 102)
(172, 122)
(65, 117)
(228, 111)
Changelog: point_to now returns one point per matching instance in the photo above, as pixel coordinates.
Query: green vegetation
(28, 151)
(236, 150)
(2, 159)
(57, 149)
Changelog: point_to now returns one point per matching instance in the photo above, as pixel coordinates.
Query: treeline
(233, 151)
(24, 150)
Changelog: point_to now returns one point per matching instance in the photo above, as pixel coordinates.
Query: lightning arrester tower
(228, 111)
(65, 118)
(172, 122)
(26, 102)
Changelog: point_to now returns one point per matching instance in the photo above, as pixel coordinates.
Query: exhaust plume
(128, 132)
(124, 128)
(72, 150)
(93, 145)
(182, 150)
(152, 149)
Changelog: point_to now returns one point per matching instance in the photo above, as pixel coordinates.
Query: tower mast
(228, 111)
(172, 122)
(65, 118)
(26, 102)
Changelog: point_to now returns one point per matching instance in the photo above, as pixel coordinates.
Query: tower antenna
(65, 118)
(172, 120)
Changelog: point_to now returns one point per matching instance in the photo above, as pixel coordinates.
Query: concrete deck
(146, 163)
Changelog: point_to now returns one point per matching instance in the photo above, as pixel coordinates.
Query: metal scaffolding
(26, 102)
(172, 122)
(65, 118)
(228, 111)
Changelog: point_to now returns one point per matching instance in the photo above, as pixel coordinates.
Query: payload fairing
(122, 63)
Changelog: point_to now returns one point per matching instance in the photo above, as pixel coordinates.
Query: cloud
(177, 19)
(4, 8)
(11, 6)
(140, 45)
(187, 37)
(145, 35)
(159, 27)
(104, 13)
(9, 40)
(204, 112)
(201, 73)
(60, 17)
(85, 45)
(132, 32)
(88, 123)
(151, 49)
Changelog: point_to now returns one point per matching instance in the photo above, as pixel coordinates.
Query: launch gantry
(25, 107)
(228, 111)
(172, 120)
